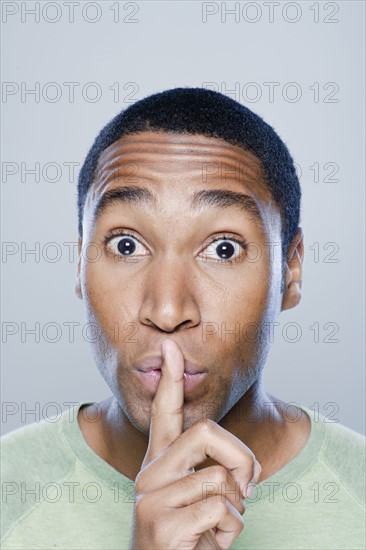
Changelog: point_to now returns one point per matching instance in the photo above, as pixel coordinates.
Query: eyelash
(120, 233)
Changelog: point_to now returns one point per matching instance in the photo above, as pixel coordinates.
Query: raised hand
(177, 507)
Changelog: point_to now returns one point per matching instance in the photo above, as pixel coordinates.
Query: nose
(169, 301)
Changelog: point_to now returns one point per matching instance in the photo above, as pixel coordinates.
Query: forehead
(170, 172)
(176, 143)
(188, 158)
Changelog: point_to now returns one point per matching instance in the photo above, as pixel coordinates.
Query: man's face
(181, 270)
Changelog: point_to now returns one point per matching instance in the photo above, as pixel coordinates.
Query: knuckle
(250, 460)
(250, 457)
(221, 506)
(219, 474)
(139, 483)
(205, 426)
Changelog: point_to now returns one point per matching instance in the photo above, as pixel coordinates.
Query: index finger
(166, 423)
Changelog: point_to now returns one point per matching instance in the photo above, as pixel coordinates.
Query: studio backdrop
(69, 67)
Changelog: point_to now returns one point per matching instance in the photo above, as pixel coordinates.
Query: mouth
(150, 380)
(149, 372)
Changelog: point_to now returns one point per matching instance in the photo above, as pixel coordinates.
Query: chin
(192, 413)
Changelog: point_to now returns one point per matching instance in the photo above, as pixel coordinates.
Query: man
(189, 248)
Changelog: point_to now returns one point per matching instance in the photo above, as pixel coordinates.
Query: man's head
(197, 111)
(208, 197)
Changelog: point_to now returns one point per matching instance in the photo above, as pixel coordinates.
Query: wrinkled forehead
(168, 172)
(206, 159)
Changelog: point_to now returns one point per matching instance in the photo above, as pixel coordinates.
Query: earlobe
(293, 277)
(77, 287)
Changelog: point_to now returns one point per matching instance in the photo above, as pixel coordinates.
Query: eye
(224, 249)
(126, 245)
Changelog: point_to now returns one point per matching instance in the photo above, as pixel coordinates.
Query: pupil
(126, 246)
(225, 249)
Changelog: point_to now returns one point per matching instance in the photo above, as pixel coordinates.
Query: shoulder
(344, 448)
(31, 457)
(33, 445)
(344, 453)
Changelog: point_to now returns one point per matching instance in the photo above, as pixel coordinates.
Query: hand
(175, 506)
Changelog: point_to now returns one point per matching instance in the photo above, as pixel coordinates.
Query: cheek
(239, 316)
(111, 294)
(245, 295)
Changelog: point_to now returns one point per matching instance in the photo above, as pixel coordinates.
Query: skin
(176, 506)
(173, 290)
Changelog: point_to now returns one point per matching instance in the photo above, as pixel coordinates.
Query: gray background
(169, 45)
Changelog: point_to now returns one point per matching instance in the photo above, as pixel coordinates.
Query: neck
(273, 431)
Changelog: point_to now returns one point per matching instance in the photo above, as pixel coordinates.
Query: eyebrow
(216, 198)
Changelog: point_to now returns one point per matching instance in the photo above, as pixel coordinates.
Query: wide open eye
(126, 245)
(224, 249)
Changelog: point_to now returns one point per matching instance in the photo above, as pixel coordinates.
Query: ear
(293, 281)
(77, 287)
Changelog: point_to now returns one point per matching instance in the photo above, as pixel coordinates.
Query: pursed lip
(154, 362)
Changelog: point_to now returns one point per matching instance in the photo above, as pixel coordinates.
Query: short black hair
(211, 114)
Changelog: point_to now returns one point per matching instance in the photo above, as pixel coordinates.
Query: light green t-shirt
(58, 493)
